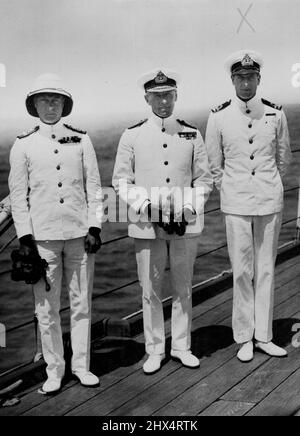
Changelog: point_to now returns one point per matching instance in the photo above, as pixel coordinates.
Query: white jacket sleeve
(123, 175)
(283, 152)
(202, 181)
(18, 186)
(92, 184)
(213, 142)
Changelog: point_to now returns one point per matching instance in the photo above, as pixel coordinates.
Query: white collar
(255, 106)
(51, 129)
(169, 124)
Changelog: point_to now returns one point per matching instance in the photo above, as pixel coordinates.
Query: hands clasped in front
(170, 221)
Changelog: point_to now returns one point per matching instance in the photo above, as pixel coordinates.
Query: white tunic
(54, 187)
(162, 154)
(249, 152)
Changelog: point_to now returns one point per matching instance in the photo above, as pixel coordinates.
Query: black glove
(154, 213)
(93, 240)
(27, 246)
(188, 217)
(172, 226)
(180, 228)
(175, 227)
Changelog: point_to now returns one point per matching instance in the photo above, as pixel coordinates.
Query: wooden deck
(222, 386)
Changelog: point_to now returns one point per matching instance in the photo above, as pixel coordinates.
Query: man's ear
(176, 95)
(147, 98)
(232, 78)
(258, 79)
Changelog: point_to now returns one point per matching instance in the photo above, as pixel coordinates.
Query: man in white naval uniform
(168, 154)
(248, 146)
(54, 182)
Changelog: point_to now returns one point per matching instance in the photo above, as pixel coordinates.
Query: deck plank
(263, 381)
(138, 382)
(189, 392)
(149, 402)
(125, 385)
(210, 389)
(32, 399)
(283, 401)
(284, 291)
(227, 408)
(61, 403)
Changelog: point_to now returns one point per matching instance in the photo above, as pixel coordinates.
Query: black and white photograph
(149, 210)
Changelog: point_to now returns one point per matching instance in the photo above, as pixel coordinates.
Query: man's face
(49, 107)
(246, 85)
(162, 103)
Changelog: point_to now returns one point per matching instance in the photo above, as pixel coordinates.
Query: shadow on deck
(222, 385)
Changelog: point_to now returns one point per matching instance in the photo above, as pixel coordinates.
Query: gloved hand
(189, 215)
(175, 227)
(93, 240)
(154, 213)
(28, 247)
(180, 228)
(172, 226)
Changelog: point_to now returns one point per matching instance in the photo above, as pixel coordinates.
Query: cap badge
(247, 61)
(160, 78)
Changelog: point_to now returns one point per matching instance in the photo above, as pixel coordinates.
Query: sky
(101, 47)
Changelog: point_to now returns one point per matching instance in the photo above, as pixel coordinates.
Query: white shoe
(246, 353)
(153, 363)
(51, 386)
(271, 349)
(186, 358)
(87, 378)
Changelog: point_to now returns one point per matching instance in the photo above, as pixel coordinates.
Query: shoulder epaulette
(75, 130)
(273, 105)
(183, 123)
(221, 107)
(24, 135)
(138, 124)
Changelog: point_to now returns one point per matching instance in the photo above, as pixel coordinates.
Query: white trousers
(151, 256)
(252, 245)
(68, 260)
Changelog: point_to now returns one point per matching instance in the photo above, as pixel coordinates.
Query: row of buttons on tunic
(58, 168)
(252, 156)
(59, 184)
(248, 111)
(166, 162)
